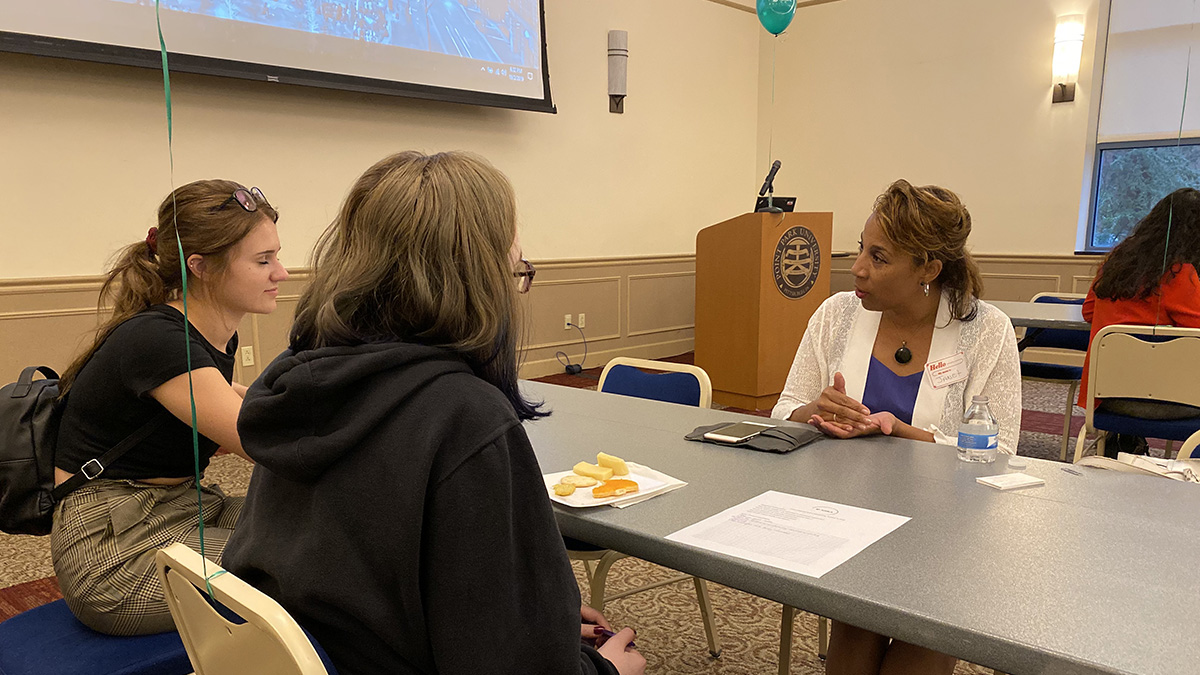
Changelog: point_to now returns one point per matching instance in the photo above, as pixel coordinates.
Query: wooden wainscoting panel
(599, 297)
(273, 331)
(662, 302)
(1022, 287)
(655, 305)
(28, 339)
(636, 306)
(1008, 277)
(840, 279)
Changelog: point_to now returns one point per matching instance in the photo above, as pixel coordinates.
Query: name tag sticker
(947, 371)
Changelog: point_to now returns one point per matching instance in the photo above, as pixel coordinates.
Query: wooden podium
(759, 277)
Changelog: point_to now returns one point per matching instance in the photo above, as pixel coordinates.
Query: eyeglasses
(525, 276)
(247, 199)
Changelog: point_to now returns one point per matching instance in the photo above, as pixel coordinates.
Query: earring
(926, 285)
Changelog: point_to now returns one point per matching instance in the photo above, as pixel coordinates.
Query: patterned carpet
(667, 619)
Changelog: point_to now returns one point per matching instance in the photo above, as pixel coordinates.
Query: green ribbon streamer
(187, 338)
(1187, 76)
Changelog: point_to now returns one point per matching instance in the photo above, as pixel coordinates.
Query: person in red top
(1149, 279)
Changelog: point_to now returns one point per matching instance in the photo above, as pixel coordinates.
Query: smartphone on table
(738, 432)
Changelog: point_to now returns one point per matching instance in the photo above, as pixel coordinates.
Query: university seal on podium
(797, 262)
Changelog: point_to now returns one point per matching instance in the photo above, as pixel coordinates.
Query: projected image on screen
(488, 52)
(497, 31)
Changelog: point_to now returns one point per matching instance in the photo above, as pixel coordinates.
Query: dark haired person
(106, 532)
(397, 510)
(861, 366)
(1150, 280)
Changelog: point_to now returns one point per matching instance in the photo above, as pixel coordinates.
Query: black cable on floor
(573, 368)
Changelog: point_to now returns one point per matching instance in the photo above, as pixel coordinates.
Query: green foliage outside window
(1131, 182)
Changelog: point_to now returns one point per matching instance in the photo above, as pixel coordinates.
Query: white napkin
(669, 483)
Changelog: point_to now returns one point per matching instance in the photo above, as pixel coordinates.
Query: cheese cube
(615, 463)
(593, 471)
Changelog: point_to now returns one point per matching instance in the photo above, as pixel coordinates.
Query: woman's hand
(834, 406)
(877, 423)
(591, 619)
(618, 652)
(617, 648)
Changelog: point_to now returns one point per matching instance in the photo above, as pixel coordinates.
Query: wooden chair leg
(785, 639)
(822, 637)
(1066, 437)
(1169, 450)
(706, 613)
(1080, 442)
(600, 578)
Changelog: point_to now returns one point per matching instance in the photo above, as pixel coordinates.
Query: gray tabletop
(1088, 574)
(1043, 314)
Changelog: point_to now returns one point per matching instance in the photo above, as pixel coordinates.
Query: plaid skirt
(103, 544)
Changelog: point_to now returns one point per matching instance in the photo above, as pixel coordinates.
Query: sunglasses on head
(249, 200)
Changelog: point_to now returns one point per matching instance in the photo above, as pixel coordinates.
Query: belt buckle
(91, 469)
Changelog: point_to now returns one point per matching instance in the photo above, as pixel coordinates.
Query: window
(1148, 138)
(1130, 179)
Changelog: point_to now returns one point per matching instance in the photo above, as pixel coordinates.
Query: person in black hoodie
(397, 509)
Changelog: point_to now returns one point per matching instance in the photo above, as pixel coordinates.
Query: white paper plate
(582, 496)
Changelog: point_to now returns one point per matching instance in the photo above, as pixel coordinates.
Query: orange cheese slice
(614, 488)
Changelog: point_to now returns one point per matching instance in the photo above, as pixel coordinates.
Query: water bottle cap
(979, 399)
(1017, 463)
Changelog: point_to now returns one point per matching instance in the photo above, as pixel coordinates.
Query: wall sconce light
(618, 69)
(1068, 50)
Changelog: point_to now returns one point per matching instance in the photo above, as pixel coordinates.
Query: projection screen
(483, 52)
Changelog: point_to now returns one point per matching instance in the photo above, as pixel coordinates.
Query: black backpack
(29, 416)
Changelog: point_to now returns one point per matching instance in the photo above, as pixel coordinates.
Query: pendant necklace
(903, 355)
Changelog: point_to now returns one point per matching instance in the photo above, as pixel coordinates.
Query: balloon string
(771, 122)
(1187, 76)
(187, 338)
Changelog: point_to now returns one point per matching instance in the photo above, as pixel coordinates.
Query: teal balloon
(776, 15)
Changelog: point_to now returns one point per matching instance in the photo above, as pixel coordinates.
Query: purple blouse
(887, 391)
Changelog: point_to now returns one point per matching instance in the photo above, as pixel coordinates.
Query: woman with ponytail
(135, 373)
(866, 364)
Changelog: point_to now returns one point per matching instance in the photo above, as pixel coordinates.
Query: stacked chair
(1073, 340)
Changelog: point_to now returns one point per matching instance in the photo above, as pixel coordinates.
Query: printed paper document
(803, 535)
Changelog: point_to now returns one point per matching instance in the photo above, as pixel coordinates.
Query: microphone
(770, 178)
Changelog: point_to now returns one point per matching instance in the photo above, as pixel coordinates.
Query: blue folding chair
(1054, 338)
(49, 640)
(682, 384)
(1141, 362)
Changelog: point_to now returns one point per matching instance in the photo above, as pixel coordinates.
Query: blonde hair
(931, 223)
(147, 272)
(420, 252)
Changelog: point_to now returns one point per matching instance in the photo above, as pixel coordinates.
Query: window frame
(1094, 200)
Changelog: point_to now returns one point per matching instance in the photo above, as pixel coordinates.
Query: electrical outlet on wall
(566, 322)
(582, 322)
(248, 355)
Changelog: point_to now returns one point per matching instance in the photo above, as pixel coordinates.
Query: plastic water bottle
(977, 435)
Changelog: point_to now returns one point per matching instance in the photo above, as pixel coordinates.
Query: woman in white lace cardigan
(886, 359)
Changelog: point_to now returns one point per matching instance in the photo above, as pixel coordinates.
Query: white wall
(83, 156)
(950, 92)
